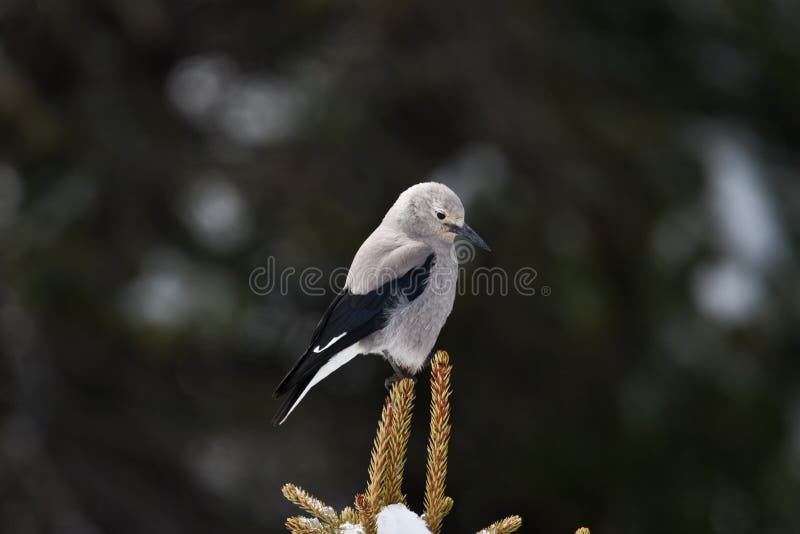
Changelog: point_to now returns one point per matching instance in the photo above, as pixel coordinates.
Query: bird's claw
(389, 382)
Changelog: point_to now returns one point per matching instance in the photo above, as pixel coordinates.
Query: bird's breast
(413, 327)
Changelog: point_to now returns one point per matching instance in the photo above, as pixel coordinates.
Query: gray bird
(397, 297)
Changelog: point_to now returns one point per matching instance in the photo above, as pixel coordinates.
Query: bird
(398, 294)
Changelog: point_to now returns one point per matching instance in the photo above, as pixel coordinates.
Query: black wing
(350, 318)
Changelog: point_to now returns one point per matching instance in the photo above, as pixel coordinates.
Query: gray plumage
(399, 292)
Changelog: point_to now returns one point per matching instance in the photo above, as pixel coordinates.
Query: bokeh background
(642, 157)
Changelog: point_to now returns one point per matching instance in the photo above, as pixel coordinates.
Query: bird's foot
(397, 377)
(389, 382)
(399, 372)
(411, 377)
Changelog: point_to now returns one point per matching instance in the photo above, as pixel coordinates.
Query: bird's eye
(440, 215)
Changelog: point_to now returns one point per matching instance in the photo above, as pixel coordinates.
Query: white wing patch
(317, 350)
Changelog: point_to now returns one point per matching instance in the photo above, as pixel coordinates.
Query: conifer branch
(310, 504)
(374, 496)
(448, 506)
(402, 403)
(504, 526)
(435, 502)
(349, 515)
(305, 525)
(365, 514)
(387, 465)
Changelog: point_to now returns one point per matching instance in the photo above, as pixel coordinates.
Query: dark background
(642, 157)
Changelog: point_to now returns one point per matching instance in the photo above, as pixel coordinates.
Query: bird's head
(433, 213)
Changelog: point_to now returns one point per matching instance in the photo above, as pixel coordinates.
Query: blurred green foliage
(642, 157)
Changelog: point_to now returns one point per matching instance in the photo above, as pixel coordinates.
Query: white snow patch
(312, 523)
(397, 519)
(350, 528)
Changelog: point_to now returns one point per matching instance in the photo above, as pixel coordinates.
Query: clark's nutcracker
(398, 294)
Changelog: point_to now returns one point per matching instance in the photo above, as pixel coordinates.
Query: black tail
(286, 384)
(289, 401)
(304, 367)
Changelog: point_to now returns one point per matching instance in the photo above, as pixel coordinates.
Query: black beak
(470, 234)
